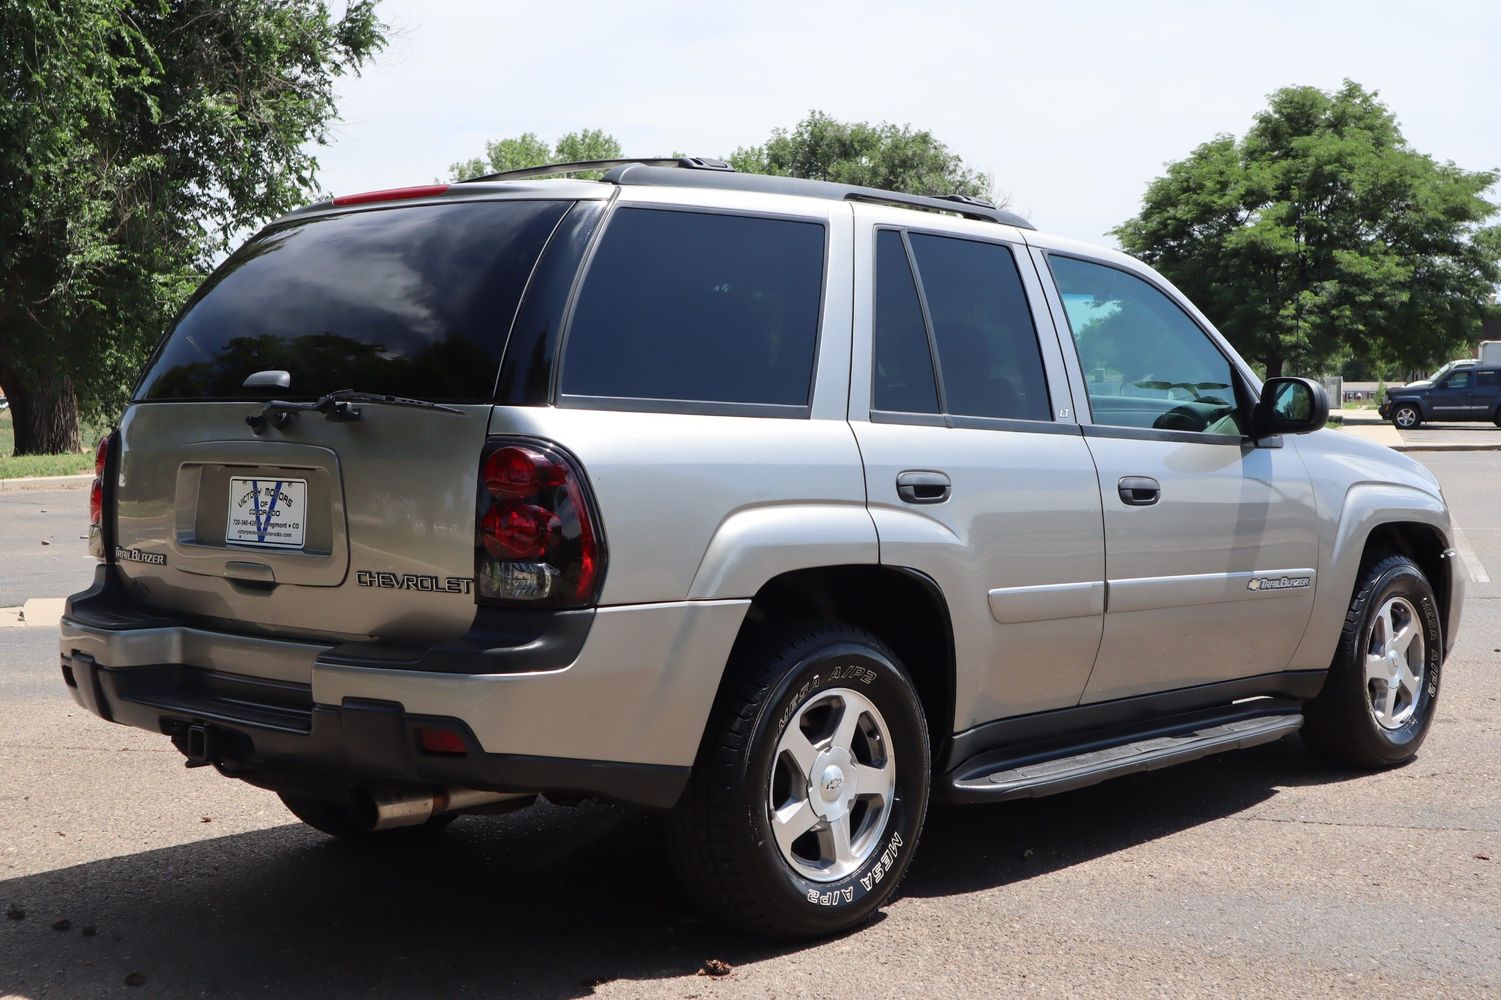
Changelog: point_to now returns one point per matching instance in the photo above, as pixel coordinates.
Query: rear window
(698, 307)
(415, 301)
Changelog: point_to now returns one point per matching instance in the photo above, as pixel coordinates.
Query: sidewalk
(1429, 437)
(79, 482)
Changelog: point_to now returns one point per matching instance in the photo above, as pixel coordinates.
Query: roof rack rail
(960, 204)
(554, 169)
(969, 207)
(707, 172)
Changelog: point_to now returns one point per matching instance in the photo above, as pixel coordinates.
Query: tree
(1322, 235)
(894, 157)
(885, 156)
(527, 150)
(136, 142)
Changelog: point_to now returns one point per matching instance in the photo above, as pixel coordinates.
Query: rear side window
(698, 307)
(1488, 379)
(904, 363)
(414, 301)
(988, 357)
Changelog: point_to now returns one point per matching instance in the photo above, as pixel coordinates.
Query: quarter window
(1146, 363)
(700, 307)
(989, 361)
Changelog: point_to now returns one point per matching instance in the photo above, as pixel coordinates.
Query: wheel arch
(1377, 518)
(903, 607)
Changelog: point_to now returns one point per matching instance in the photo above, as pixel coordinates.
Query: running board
(1030, 777)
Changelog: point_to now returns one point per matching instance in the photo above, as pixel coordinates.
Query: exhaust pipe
(387, 807)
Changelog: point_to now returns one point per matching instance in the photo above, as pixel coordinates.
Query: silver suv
(782, 506)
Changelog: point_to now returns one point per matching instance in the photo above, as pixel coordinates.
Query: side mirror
(1290, 406)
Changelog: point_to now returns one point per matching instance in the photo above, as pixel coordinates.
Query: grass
(13, 467)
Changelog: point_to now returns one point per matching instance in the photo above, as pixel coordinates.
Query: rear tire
(340, 819)
(1406, 417)
(1378, 702)
(811, 785)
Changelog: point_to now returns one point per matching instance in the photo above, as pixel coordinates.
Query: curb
(1448, 447)
(79, 482)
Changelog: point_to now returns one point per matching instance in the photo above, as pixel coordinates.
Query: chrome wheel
(1394, 663)
(1405, 417)
(833, 782)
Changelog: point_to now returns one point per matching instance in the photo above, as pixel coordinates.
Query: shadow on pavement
(547, 902)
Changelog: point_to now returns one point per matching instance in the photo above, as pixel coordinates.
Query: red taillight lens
(519, 531)
(536, 537)
(519, 472)
(96, 497)
(392, 194)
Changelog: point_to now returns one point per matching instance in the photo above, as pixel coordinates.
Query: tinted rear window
(414, 301)
(988, 355)
(697, 306)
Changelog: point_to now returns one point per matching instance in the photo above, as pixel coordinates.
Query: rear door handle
(1140, 491)
(923, 486)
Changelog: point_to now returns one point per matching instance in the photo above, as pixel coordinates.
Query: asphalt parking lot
(1260, 874)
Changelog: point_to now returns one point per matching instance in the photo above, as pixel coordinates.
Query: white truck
(1490, 352)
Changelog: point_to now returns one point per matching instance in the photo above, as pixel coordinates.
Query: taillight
(96, 497)
(536, 537)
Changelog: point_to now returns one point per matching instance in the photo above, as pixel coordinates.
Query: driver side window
(1146, 364)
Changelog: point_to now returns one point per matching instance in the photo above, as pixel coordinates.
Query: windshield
(414, 301)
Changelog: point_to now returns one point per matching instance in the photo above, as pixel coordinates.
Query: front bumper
(621, 720)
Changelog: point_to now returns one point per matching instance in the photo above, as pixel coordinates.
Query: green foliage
(136, 142)
(1323, 235)
(885, 156)
(894, 157)
(527, 150)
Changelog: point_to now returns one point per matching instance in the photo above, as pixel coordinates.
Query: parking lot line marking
(1468, 557)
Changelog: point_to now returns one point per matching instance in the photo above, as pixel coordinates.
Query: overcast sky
(1073, 106)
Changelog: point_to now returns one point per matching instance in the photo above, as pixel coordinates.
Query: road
(1258, 874)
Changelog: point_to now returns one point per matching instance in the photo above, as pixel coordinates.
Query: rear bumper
(622, 720)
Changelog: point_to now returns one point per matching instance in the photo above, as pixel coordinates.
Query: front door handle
(922, 486)
(1140, 491)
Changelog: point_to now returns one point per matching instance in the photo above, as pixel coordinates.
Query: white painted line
(1467, 555)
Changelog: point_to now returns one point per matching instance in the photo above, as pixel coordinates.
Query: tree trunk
(44, 411)
(1274, 367)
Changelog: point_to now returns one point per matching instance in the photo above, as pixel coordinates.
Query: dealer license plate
(271, 512)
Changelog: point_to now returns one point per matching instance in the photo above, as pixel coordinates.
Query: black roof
(704, 172)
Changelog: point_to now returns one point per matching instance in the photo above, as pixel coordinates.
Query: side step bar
(993, 780)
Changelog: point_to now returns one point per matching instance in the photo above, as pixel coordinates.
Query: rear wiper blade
(339, 406)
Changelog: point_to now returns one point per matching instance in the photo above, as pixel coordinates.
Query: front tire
(1406, 417)
(811, 785)
(1378, 702)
